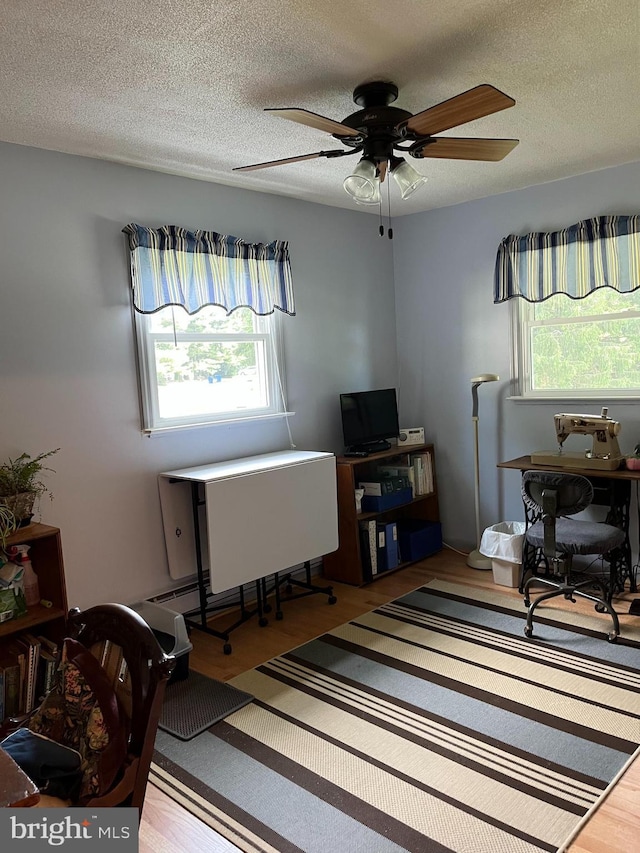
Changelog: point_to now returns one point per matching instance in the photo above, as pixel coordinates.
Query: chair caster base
(332, 599)
(600, 608)
(528, 631)
(227, 648)
(612, 637)
(263, 622)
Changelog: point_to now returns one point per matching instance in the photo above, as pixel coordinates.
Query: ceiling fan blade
(452, 148)
(475, 103)
(316, 121)
(382, 170)
(335, 153)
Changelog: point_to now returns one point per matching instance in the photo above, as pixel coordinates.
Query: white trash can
(502, 543)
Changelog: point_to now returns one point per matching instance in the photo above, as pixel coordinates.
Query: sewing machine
(605, 454)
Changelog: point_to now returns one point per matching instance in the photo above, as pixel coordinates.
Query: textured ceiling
(180, 86)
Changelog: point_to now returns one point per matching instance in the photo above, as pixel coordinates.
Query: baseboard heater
(185, 598)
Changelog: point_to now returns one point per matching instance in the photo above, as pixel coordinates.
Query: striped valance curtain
(173, 266)
(600, 252)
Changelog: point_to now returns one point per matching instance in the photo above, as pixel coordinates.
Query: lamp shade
(485, 377)
(361, 183)
(375, 198)
(406, 177)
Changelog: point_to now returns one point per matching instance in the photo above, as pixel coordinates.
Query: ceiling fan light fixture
(406, 177)
(375, 198)
(362, 184)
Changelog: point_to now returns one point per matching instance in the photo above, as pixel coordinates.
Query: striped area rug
(430, 724)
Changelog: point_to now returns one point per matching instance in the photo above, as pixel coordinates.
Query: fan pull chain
(390, 229)
(381, 226)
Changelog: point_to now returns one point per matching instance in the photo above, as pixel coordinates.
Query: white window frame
(521, 323)
(267, 329)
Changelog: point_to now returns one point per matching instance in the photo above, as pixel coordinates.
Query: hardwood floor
(168, 828)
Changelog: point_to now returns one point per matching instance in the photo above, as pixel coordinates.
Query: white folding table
(242, 520)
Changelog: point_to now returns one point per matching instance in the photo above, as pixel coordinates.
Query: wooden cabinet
(46, 557)
(346, 564)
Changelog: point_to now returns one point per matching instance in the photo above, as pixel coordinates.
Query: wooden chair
(138, 670)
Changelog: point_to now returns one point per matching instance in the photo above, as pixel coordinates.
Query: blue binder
(387, 546)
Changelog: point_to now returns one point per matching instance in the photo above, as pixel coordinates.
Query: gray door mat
(197, 702)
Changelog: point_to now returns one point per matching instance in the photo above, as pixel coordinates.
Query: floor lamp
(475, 559)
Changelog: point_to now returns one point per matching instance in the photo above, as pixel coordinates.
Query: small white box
(505, 573)
(411, 435)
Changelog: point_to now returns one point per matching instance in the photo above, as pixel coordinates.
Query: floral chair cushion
(82, 712)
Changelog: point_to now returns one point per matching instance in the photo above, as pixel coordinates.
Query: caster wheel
(528, 631)
(279, 615)
(262, 622)
(332, 599)
(267, 608)
(600, 608)
(527, 602)
(227, 648)
(612, 637)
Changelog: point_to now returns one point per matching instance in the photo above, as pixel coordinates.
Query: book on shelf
(388, 557)
(11, 694)
(403, 473)
(27, 667)
(33, 658)
(376, 488)
(423, 472)
(383, 483)
(15, 654)
(50, 645)
(379, 547)
(46, 674)
(365, 554)
(369, 548)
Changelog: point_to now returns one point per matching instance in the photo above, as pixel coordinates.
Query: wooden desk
(612, 489)
(16, 788)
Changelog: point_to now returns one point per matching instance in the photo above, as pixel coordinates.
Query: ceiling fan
(378, 130)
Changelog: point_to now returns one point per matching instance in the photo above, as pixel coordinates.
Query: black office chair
(553, 496)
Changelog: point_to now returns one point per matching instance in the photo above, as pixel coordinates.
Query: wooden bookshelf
(346, 564)
(48, 618)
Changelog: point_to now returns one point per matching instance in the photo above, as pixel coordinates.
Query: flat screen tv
(368, 419)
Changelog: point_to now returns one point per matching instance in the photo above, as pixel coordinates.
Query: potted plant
(7, 526)
(633, 462)
(21, 484)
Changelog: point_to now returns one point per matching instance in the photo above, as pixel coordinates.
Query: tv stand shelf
(345, 565)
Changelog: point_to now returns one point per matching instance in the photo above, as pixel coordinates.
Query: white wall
(67, 375)
(66, 345)
(449, 330)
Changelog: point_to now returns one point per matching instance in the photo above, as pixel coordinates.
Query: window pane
(597, 355)
(602, 301)
(199, 378)
(209, 319)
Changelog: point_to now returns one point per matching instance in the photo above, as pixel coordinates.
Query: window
(577, 348)
(207, 334)
(207, 367)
